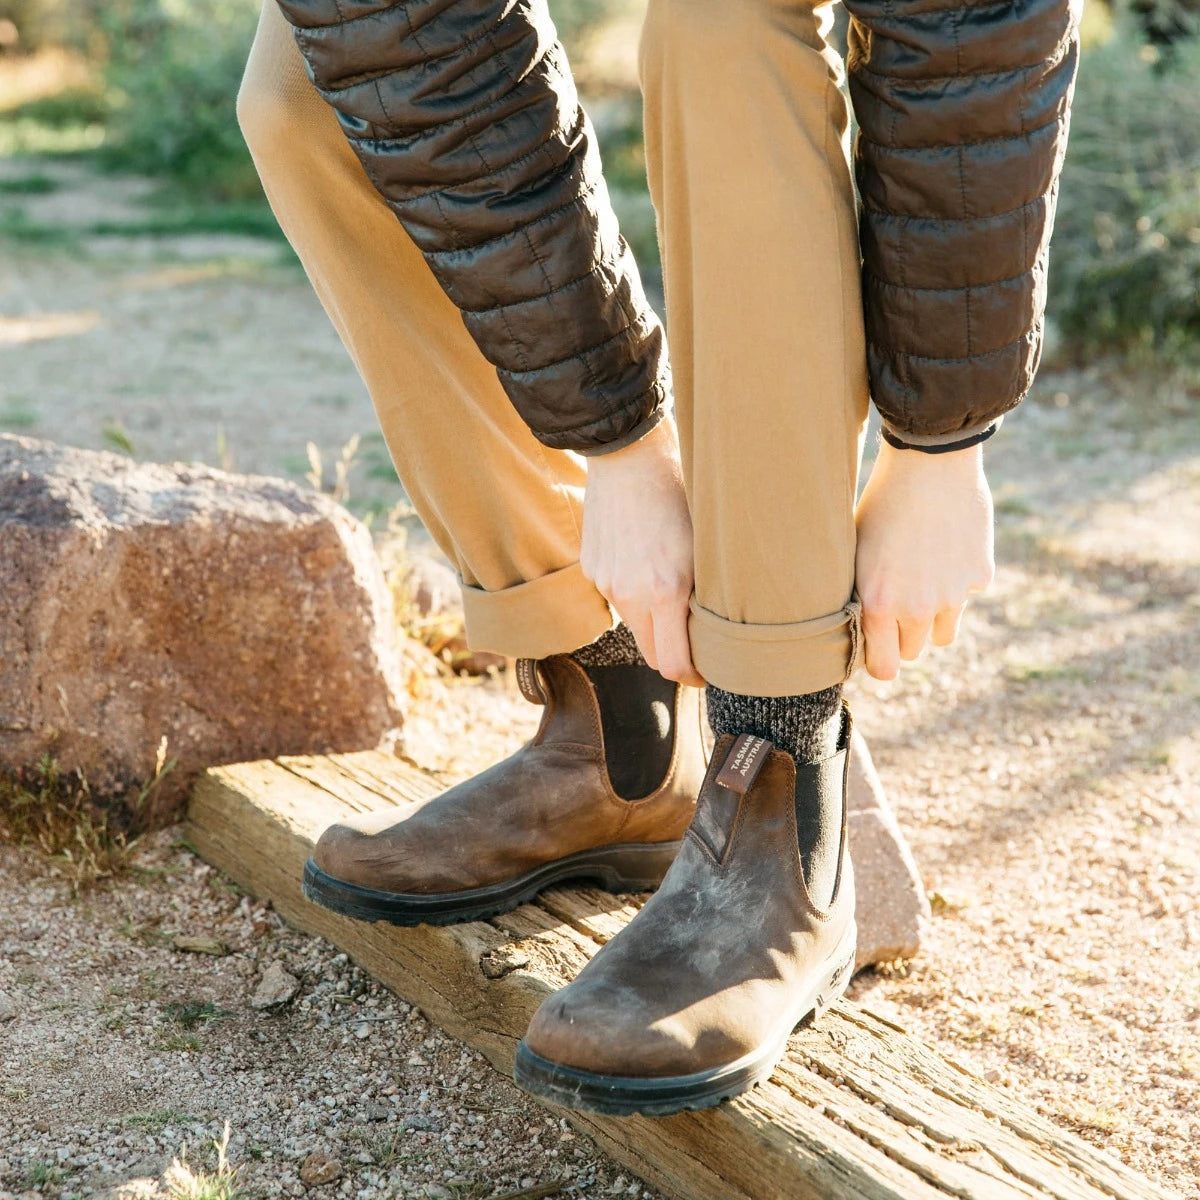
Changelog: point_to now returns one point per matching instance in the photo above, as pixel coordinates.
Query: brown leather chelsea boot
(604, 791)
(751, 931)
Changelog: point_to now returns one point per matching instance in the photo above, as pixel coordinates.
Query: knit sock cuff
(616, 648)
(807, 727)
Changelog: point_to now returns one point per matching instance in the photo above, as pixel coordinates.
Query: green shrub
(1125, 262)
(169, 72)
(74, 106)
(173, 70)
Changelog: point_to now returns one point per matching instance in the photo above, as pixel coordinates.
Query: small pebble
(319, 1169)
(275, 987)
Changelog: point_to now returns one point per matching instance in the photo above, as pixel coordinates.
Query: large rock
(238, 617)
(891, 906)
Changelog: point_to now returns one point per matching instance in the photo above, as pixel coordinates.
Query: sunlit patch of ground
(1046, 772)
(20, 331)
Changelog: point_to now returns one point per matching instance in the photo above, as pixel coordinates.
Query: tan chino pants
(745, 144)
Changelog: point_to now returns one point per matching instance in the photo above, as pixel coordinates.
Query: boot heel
(839, 977)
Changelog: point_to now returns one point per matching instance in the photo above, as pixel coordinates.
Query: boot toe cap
(367, 857)
(334, 851)
(616, 1032)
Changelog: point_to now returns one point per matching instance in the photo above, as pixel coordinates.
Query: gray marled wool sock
(616, 648)
(807, 727)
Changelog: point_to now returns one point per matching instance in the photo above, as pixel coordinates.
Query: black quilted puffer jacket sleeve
(465, 117)
(963, 117)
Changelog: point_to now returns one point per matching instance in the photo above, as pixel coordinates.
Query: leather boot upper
(552, 798)
(712, 964)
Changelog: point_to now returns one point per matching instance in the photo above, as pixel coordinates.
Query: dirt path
(203, 347)
(1047, 771)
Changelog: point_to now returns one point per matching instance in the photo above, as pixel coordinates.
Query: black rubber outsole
(632, 868)
(626, 1095)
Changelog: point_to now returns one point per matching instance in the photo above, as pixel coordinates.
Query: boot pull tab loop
(529, 680)
(743, 763)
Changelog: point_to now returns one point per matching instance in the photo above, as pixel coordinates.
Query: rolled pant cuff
(553, 614)
(776, 660)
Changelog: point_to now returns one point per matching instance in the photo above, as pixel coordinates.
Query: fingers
(888, 640)
(656, 613)
(672, 645)
(633, 611)
(662, 637)
(914, 633)
(985, 578)
(881, 644)
(945, 625)
(641, 624)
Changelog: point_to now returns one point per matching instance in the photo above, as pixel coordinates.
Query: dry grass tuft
(183, 1182)
(84, 838)
(442, 632)
(438, 627)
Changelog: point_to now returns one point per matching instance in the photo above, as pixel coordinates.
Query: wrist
(965, 462)
(660, 444)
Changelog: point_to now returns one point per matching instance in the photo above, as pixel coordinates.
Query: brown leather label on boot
(743, 763)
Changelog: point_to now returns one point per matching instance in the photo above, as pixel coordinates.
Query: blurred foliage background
(148, 86)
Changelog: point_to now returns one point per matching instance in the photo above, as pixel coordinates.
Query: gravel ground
(126, 1051)
(1047, 772)
(209, 348)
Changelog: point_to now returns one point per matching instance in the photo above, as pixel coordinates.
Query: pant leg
(749, 173)
(505, 509)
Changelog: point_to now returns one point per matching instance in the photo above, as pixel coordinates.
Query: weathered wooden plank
(353, 781)
(859, 1110)
(599, 915)
(961, 1168)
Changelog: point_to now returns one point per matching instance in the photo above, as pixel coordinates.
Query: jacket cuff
(635, 434)
(944, 443)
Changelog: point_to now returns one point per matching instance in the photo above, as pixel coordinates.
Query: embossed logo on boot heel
(743, 763)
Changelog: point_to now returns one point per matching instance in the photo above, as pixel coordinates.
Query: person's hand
(637, 546)
(924, 545)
